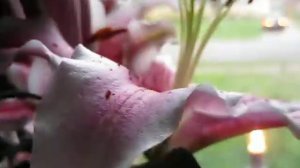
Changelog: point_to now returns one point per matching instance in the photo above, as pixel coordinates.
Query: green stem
(195, 35)
(190, 49)
(182, 39)
(189, 43)
(220, 16)
(188, 46)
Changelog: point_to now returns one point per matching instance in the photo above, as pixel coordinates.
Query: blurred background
(256, 49)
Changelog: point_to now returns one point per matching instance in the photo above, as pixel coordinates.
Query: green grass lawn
(295, 17)
(233, 28)
(283, 148)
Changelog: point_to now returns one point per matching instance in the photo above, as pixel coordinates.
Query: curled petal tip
(294, 123)
(206, 100)
(82, 53)
(199, 130)
(37, 48)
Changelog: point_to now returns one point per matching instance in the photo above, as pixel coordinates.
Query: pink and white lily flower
(103, 109)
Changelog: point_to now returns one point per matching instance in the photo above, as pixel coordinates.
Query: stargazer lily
(94, 109)
(102, 111)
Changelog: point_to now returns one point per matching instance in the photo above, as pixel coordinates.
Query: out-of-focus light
(257, 142)
(159, 13)
(268, 22)
(284, 22)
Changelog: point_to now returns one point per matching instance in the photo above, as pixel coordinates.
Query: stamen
(191, 45)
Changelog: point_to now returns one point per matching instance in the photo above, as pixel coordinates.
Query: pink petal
(18, 75)
(220, 120)
(113, 48)
(34, 78)
(157, 77)
(76, 19)
(124, 48)
(94, 110)
(40, 77)
(15, 32)
(67, 14)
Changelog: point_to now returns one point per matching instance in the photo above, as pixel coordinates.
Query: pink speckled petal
(94, 110)
(223, 117)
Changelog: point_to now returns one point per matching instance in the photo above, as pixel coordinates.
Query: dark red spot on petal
(55, 45)
(107, 95)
